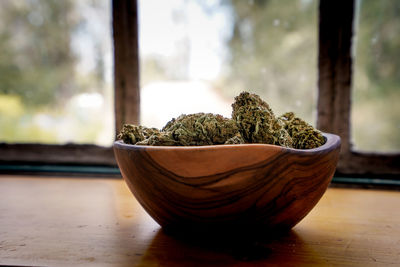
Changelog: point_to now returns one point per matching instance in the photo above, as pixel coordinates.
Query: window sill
(46, 221)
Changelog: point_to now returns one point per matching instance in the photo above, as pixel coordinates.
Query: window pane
(376, 94)
(197, 55)
(55, 72)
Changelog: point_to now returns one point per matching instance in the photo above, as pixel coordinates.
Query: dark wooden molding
(369, 164)
(126, 62)
(335, 68)
(56, 154)
(335, 84)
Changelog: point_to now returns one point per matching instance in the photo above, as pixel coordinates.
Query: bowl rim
(332, 142)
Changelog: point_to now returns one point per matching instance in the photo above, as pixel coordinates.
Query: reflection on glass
(197, 55)
(376, 94)
(55, 72)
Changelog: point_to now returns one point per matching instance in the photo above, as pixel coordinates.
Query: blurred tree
(378, 45)
(273, 49)
(55, 65)
(376, 94)
(37, 61)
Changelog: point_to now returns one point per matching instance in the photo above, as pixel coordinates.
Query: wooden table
(85, 221)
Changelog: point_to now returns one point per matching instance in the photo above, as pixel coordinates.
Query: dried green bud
(201, 129)
(252, 122)
(257, 123)
(159, 139)
(131, 134)
(250, 100)
(303, 134)
(237, 139)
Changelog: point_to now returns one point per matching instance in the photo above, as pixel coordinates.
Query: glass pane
(55, 72)
(376, 94)
(197, 55)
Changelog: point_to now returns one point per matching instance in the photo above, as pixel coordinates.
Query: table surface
(47, 221)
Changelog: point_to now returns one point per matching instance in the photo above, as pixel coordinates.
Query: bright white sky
(176, 30)
(97, 22)
(164, 25)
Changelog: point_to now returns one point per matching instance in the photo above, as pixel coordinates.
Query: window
(56, 80)
(333, 100)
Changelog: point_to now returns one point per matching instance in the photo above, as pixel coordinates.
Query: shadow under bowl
(246, 186)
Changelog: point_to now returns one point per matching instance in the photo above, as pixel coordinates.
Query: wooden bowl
(248, 186)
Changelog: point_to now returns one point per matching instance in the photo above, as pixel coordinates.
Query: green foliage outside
(376, 84)
(39, 63)
(273, 52)
(39, 77)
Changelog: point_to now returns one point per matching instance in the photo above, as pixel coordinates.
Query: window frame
(335, 33)
(335, 66)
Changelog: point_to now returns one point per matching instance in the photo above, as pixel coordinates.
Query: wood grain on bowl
(249, 185)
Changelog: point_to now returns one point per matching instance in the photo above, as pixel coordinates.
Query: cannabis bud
(187, 130)
(257, 123)
(303, 134)
(201, 129)
(131, 134)
(253, 121)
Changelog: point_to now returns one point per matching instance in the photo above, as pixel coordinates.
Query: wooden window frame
(336, 26)
(334, 95)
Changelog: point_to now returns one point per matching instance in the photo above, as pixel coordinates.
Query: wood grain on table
(83, 221)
